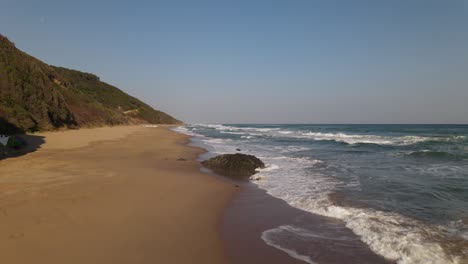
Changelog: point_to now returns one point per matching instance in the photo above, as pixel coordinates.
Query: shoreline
(327, 239)
(252, 212)
(135, 198)
(361, 177)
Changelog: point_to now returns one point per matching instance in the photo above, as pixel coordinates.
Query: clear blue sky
(255, 61)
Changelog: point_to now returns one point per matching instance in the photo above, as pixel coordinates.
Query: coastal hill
(35, 96)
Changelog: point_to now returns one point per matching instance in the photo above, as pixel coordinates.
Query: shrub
(16, 142)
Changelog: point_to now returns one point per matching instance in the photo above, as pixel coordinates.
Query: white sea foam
(288, 149)
(233, 133)
(233, 128)
(269, 237)
(391, 235)
(339, 137)
(367, 139)
(459, 228)
(184, 130)
(216, 126)
(214, 141)
(420, 252)
(220, 146)
(266, 129)
(269, 167)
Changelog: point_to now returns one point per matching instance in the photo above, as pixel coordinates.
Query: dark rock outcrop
(237, 166)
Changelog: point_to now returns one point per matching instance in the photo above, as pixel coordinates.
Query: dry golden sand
(110, 195)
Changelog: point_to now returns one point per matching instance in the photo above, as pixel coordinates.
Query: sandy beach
(111, 195)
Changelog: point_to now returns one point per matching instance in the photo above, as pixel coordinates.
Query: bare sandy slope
(136, 197)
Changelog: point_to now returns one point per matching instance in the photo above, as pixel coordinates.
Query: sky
(262, 61)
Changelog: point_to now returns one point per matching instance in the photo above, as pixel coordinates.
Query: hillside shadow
(7, 128)
(33, 142)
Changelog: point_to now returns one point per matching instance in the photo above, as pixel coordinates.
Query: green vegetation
(16, 142)
(36, 96)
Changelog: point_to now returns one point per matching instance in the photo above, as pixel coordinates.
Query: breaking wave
(248, 132)
(300, 182)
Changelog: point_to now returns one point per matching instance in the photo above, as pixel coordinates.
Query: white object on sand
(4, 140)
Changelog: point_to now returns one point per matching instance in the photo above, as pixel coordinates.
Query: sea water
(403, 189)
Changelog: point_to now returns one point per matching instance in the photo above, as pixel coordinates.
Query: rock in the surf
(237, 166)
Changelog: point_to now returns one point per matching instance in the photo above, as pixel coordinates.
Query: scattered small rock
(16, 235)
(238, 149)
(181, 159)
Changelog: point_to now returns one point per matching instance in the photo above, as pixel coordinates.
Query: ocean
(402, 189)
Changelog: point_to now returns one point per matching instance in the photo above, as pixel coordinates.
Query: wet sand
(252, 211)
(111, 195)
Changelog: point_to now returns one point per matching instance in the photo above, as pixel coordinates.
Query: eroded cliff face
(36, 96)
(29, 99)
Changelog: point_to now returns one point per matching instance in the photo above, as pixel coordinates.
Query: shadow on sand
(33, 142)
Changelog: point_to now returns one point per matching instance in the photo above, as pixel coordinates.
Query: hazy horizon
(268, 62)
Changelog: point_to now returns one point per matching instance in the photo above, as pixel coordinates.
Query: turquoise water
(402, 188)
